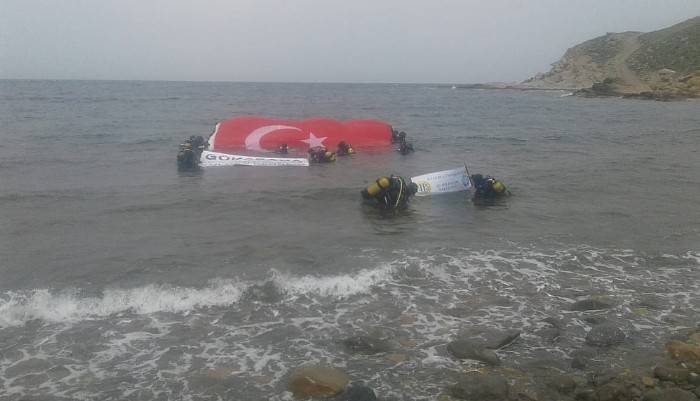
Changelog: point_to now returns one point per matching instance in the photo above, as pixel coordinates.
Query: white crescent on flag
(252, 141)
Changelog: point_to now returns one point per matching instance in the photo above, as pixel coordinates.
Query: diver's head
(412, 188)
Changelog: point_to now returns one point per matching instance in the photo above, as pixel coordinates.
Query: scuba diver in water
(390, 192)
(398, 137)
(197, 142)
(488, 188)
(283, 149)
(344, 149)
(405, 148)
(319, 154)
(190, 153)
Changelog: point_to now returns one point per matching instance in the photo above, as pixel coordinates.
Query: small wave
(68, 306)
(533, 271)
(19, 307)
(340, 286)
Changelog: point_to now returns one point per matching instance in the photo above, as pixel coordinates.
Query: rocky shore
(593, 372)
(660, 65)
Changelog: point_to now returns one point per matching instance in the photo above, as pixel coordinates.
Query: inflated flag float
(257, 134)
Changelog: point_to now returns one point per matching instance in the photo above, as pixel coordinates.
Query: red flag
(263, 134)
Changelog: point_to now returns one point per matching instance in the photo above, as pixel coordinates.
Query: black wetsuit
(485, 187)
(318, 155)
(405, 148)
(187, 158)
(396, 196)
(190, 153)
(343, 149)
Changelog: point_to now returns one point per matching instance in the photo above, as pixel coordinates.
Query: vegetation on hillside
(676, 48)
(664, 64)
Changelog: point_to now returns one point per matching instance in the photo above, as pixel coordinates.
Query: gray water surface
(121, 278)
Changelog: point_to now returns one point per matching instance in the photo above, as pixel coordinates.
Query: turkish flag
(263, 134)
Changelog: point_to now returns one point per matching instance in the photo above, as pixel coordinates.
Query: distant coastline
(659, 65)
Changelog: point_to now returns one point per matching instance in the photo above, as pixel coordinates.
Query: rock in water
(357, 392)
(677, 375)
(482, 387)
(488, 337)
(368, 345)
(562, 383)
(669, 394)
(317, 381)
(605, 335)
(581, 358)
(590, 304)
(684, 352)
(465, 349)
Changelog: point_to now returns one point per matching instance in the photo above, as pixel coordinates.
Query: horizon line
(257, 82)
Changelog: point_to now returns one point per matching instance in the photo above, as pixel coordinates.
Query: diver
(187, 157)
(488, 187)
(283, 149)
(319, 154)
(390, 192)
(344, 149)
(397, 137)
(190, 153)
(405, 148)
(198, 142)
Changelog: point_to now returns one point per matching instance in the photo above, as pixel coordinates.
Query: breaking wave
(527, 270)
(19, 307)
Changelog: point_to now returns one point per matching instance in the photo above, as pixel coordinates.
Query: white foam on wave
(339, 286)
(18, 307)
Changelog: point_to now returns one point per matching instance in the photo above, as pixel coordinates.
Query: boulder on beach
(317, 381)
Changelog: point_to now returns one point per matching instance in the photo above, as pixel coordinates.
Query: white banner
(215, 159)
(442, 182)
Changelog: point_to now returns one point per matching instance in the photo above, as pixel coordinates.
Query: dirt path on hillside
(632, 83)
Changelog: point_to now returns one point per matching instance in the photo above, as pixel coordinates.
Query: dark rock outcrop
(465, 349)
(317, 381)
(481, 387)
(605, 335)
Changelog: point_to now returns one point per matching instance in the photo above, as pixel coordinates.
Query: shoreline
(593, 92)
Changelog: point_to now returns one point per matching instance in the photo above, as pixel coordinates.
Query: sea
(124, 279)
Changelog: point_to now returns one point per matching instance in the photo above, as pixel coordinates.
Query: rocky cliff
(661, 64)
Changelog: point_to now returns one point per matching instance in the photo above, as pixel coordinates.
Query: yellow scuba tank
(381, 183)
(498, 187)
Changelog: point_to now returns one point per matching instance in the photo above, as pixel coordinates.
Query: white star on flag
(313, 141)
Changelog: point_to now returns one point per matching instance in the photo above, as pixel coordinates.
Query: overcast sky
(437, 41)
